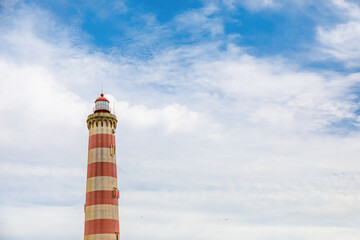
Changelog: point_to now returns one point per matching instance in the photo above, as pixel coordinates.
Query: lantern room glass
(102, 105)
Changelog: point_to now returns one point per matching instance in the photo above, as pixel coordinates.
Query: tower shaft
(101, 207)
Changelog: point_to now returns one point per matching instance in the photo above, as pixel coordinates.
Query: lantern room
(101, 104)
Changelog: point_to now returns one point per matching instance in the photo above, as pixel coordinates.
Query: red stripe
(100, 226)
(101, 169)
(101, 140)
(100, 197)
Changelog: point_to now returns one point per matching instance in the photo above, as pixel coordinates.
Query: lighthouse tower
(101, 207)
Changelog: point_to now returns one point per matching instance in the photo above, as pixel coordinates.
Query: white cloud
(10, 169)
(258, 5)
(263, 91)
(253, 4)
(342, 40)
(200, 22)
(352, 9)
(35, 104)
(173, 117)
(218, 225)
(60, 222)
(101, 8)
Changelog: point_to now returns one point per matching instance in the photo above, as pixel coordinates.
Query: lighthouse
(101, 206)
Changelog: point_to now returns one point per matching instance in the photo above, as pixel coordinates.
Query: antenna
(101, 83)
(114, 105)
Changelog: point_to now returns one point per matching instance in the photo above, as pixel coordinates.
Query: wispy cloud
(202, 22)
(253, 4)
(259, 5)
(105, 9)
(342, 40)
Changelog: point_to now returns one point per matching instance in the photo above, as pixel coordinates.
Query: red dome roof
(101, 98)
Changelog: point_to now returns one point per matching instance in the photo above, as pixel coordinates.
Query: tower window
(112, 150)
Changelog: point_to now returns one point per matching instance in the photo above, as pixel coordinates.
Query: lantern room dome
(101, 104)
(101, 98)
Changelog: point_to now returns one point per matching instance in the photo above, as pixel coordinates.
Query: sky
(237, 119)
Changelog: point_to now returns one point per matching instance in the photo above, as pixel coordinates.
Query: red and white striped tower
(101, 208)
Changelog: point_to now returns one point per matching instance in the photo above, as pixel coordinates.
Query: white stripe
(101, 184)
(100, 155)
(101, 237)
(101, 211)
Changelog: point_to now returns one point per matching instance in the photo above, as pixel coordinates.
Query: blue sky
(276, 28)
(237, 119)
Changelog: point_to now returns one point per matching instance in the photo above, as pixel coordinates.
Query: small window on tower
(112, 150)
(116, 193)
